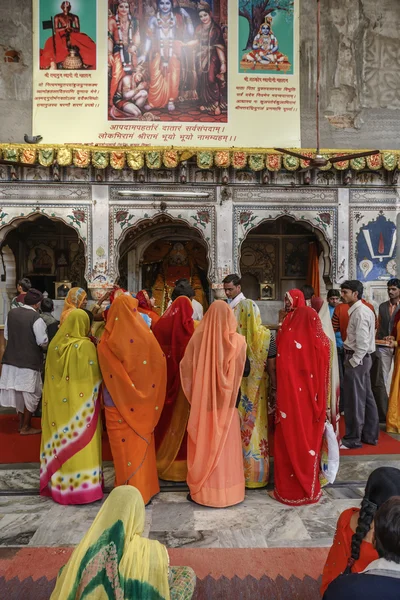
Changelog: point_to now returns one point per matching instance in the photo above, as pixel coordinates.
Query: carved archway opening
(144, 248)
(46, 250)
(274, 257)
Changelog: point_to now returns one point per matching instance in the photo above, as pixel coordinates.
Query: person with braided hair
(353, 550)
(381, 578)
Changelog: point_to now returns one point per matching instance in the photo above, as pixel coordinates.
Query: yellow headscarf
(75, 299)
(113, 561)
(71, 424)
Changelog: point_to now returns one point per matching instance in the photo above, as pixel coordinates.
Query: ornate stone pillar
(99, 278)
(224, 239)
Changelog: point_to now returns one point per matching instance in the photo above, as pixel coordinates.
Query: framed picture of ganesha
(67, 34)
(167, 60)
(266, 36)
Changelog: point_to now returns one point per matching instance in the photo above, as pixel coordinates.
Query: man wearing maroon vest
(21, 381)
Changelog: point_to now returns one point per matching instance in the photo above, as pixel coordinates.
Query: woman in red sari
(146, 305)
(173, 332)
(302, 368)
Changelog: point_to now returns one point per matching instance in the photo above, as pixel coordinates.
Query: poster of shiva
(266, 36)
(167, 60)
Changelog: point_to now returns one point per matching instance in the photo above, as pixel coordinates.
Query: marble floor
(29, 520)
(259, 522)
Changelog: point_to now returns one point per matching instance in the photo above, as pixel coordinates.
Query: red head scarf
(296, 298)
(317, 303)
(143, 299)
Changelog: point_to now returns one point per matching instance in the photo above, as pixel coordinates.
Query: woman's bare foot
(29, 431)
(217, 111)
(271, 494)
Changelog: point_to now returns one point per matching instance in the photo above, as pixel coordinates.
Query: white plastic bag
(329, 456)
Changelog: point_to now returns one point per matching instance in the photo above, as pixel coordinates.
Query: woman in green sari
(114, 561)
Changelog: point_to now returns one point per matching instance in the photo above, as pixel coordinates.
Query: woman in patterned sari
(173, 332)
(302, 367)
(135, 376)
(253, 404)
(77, 298)
(70, 453)
(114, 560)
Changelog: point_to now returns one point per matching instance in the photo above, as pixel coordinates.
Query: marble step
(353, 471)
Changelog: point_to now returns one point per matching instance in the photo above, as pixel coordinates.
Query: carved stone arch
(310, 218)
(148, 229)
(16, 221)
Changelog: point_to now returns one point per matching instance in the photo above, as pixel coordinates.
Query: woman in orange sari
(173, 332)
(211, 372)
(76, 298)
(146, 305)
(134, 382)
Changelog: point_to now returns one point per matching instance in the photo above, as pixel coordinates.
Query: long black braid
(367, 512)
(382, 484)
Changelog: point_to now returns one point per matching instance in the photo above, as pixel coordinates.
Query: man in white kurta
(21, 380)
(233, 291)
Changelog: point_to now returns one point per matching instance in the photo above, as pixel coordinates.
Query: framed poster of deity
(67, 33)
(266, 36)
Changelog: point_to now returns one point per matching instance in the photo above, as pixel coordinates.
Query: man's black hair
(233, 278)
(387, 530)
(354, 285)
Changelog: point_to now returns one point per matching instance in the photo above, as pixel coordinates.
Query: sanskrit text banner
(163, 72)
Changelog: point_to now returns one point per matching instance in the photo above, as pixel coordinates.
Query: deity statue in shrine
(178, 262)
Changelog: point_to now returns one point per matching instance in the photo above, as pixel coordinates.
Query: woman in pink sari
(211, 372)
(302, 369)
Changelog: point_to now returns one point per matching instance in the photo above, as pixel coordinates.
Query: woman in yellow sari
(253, 402)
(114, 561)
(70, 452)
(76, 298)
(393, 413)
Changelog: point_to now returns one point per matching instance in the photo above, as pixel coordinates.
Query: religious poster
(167, 72)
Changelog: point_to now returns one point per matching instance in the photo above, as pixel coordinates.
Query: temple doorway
(275, 257)
(155, 257)
(46, 251)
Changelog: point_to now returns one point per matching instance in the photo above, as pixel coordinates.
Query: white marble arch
(84, 232)
(161, 225)
(326, 234)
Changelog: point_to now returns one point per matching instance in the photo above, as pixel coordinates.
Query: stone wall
(360, 81)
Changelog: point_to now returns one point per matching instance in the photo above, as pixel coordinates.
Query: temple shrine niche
(49, 253)
(156, 264)
(275, 257)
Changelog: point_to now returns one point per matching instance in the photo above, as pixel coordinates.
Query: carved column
(99, 278)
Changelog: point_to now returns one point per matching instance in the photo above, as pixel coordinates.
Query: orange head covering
(75, 299)
(133, 366)
(211, 371)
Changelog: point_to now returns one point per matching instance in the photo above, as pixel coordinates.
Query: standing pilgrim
(302, 369)
(360, 411)
(233, 291)
(21, 381)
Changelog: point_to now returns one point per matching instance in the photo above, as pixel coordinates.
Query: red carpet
(16, 448)
(386, 445)
(234, 573)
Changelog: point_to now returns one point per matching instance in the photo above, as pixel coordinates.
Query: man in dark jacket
(21, 381)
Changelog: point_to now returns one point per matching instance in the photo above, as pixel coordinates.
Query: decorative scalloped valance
(135, 157)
